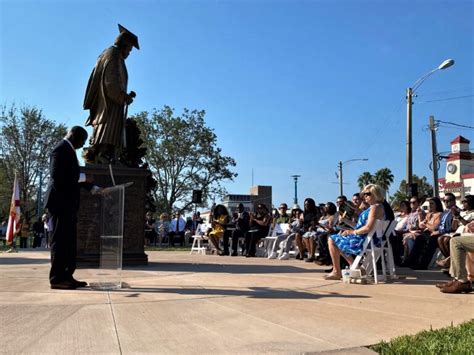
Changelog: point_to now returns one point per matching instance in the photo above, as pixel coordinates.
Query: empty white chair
(198, 238)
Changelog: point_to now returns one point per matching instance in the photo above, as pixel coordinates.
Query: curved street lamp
(341, 192)
(410, 91)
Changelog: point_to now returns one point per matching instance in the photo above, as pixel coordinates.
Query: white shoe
(272, 256)
(285, 256)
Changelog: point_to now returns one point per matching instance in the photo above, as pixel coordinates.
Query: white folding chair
(367, 258)
(270, 240)
(198, 238)
(387, 250)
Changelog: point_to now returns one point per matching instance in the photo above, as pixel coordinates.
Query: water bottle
(346, 275)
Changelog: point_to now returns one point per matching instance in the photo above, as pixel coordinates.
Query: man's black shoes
(79, 284)
(69, 285)
(65, 285)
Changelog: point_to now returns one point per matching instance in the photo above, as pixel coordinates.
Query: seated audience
(396, 240)
(310, 220)
(150, 224)
(350, 242)
(282, 218)
(425, 233)
(177, 229)
(220, 220)
(296, 227)
(459, 247)
(240, 220)
(259, 227)
(163, 228)
(326, 227)
(461, 218)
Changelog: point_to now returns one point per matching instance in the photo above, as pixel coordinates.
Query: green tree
(27, 139)
(182, 155)
(424, 190)
(384, 179)
(364, 179)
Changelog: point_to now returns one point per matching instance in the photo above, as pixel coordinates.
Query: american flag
(14, 219)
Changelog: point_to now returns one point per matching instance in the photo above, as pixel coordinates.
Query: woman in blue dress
(350, 242)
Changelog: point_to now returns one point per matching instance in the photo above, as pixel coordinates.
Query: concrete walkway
(195, 304)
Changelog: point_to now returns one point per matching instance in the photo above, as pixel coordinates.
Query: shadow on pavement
(222, 268)
(252, 292)
(18, 260)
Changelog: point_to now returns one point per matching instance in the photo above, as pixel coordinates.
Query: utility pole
(39, 195)
(295, 178)
(340, 179)
(434, 152)
(409, 138)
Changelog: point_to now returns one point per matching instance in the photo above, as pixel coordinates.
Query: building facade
(459, 178)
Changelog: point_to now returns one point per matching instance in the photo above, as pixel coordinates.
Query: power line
(447, 99)
(455, 124)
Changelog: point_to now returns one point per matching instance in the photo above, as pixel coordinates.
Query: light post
(295, 178)
(341, 192)
(410, 92)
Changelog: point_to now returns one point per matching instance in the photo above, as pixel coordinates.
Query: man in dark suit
(62, 201)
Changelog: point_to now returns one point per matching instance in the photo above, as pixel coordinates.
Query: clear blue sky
(290, 87)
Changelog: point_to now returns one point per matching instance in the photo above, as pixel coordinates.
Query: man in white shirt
(177, 229)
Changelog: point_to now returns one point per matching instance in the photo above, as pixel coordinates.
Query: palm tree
(384, 179)
(365, 179)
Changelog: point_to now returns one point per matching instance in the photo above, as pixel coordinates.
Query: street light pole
(434, 153)
(341, 191)
(295, 178)
(410, 92)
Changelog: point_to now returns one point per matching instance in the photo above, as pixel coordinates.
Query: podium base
(89, 215)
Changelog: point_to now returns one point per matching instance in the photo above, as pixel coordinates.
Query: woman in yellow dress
(220, 219)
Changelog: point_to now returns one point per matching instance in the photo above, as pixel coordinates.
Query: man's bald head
(77, 135)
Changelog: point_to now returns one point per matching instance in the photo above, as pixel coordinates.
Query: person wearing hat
(106, 98)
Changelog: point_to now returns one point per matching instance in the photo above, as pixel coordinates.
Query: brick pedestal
(88, 226)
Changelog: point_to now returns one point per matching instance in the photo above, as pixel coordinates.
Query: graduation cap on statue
(126, 33)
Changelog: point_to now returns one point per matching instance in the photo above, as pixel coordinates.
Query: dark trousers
(396, 240)
(422, 252)
(23, 242)
(251, 240)
(236, 235)
(323, 248)
(63, 248)
(180, 235)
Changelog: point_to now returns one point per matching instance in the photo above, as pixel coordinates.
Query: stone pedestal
(88, 226)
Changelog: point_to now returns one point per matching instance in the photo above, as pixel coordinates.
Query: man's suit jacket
(62, 195)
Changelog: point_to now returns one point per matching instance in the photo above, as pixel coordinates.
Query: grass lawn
(450, 340)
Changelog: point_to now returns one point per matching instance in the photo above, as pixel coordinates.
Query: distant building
(459, 178)
(258, 194)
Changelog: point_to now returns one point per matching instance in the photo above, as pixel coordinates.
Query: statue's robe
(105, 98)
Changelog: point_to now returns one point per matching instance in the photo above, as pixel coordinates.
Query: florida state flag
(14, 219)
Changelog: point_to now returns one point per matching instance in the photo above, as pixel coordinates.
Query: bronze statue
(107, 100)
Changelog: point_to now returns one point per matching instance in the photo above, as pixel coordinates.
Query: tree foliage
(425, 189)
(382, 177)
(182, 155)
(27, 140)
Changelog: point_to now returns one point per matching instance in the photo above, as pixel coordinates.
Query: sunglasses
(367, 193)
(448, 200)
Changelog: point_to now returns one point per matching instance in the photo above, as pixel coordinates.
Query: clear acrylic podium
(109, 274)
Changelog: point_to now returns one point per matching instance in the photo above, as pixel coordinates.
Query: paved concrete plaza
(183, 304)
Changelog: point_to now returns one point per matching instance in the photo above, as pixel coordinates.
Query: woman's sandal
(332, 276)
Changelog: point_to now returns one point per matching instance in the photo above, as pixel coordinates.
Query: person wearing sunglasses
(350, 242)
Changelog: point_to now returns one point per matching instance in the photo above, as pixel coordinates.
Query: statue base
(89, 215)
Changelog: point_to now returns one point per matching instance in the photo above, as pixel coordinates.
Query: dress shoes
(444, 284)
(79, 283)
(234, 254)
(458, 287)
(65, 285)
(223, 253)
